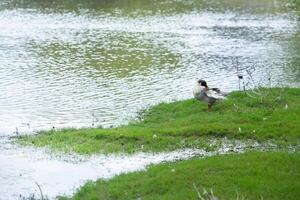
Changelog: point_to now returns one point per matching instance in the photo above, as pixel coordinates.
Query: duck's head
(202, 83)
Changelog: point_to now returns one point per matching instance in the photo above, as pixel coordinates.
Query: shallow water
(58, 174)
(96, 63)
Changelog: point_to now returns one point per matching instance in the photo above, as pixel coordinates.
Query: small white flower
(154, 136)
(240, 130)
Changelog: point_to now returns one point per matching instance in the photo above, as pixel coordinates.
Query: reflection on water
(135, 8)
(101, 53)
(292, 68)
(63, 68)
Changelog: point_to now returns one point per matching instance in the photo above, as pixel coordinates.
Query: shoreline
(184, 124)
(169, 127)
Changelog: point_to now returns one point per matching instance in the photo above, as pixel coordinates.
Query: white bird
(210, 95)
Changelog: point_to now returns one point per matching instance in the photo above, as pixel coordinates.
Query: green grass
(181, 124)
(273, 176)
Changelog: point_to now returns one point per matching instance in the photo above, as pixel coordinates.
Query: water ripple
(59, 69)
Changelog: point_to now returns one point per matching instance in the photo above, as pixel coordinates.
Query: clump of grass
(274, 115)
(248, 176)
(33, 197)
(209, 194)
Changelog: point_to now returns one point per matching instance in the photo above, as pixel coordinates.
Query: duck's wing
(219, 91)
(215, 89)
(215, 93)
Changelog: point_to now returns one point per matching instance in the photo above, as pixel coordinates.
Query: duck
(209, 95)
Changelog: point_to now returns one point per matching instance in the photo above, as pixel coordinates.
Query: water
(84, 62)
(63, 174)
(67, 66)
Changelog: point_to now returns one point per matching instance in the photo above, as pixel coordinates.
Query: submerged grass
(264, 114)
(254, 175)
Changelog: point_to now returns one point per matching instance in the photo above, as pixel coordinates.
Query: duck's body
(210, 95)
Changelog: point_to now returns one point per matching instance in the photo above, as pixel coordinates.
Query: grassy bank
(262, 115)
(253, 175)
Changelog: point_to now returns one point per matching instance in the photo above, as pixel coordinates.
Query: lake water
(86, 63)
(72, 64)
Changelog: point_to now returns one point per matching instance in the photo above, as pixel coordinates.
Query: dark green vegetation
(265, 114)
(137, 8)
(297, 3)
(253, 175)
